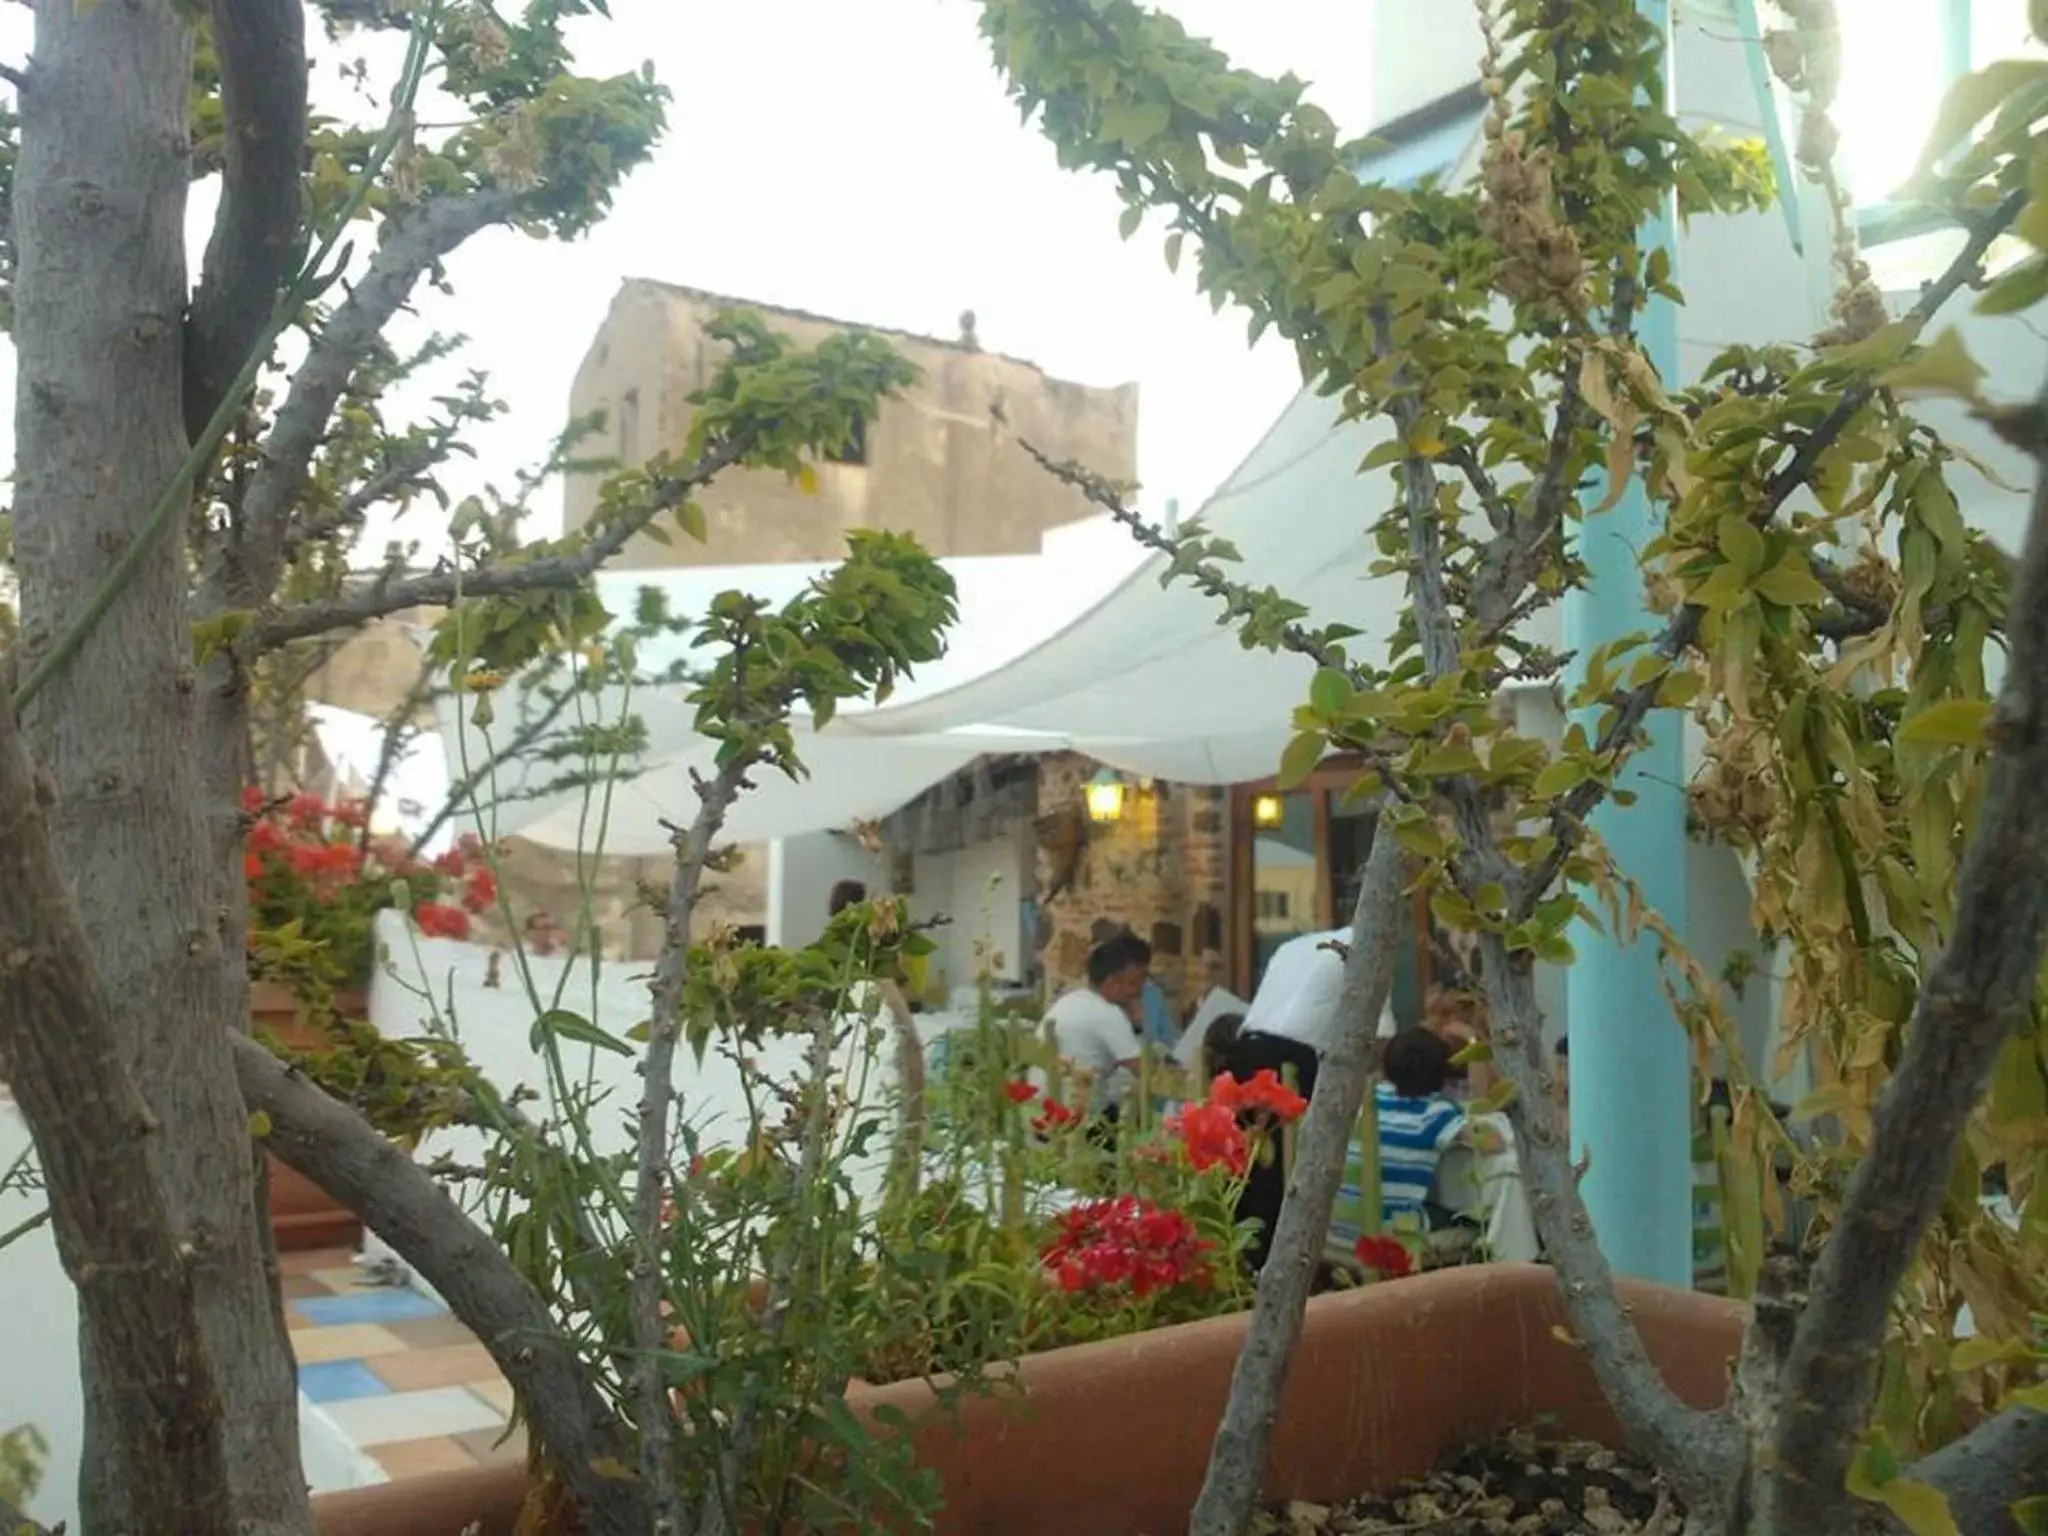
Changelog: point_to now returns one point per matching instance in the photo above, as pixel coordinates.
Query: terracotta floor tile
(295, 1286)
(429, 1332)
(417, 1458)
(353, 1341)
(307, 1260)
(495, 1445)
(497, 1393)
(450, 1365)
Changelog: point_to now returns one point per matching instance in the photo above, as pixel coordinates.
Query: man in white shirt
(1091, 1025)
(1293, 1019)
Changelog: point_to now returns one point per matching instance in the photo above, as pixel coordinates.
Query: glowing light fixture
(1268, 812)
(1105, 796)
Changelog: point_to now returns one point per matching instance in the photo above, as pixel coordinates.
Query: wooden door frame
(1332, 776)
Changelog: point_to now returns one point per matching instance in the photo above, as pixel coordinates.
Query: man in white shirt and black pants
(1293, 1018)
(1093, 1028)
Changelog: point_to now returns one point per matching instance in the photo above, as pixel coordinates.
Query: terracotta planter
(302, 1214)
(1112, 1438)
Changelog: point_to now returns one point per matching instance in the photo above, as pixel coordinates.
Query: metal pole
(1631, 1101)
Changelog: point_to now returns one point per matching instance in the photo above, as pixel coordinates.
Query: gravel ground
(1519, 1486)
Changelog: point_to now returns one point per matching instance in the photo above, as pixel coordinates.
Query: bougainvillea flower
(1212, 1136)
(437, 920)
(1019, 1092)
(1387, 1257)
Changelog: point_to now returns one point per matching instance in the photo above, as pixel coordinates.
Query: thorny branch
(657, 1095)
(1568, 818)
(393, 592)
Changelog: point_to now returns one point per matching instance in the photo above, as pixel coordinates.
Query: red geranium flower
(1054, 1116)
(1212, 1136)
(1019, 1092)
(437, 920)
(1387, 1257)
(482, 891)
(1125, 1243)
(1262, 1092)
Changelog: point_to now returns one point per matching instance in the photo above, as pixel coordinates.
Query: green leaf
(2021, 288)
(1173, 245)
(564, 1025)
(1791, 583)
(2031, 1515)
(1300, 759)
(1561, 777)
(1951, 723)
(259, 1123)
(1742, 546)
(1442, 762)
(1975, 97)
(1329, 692)
(1422, 837)
(1943, 367)
(1133, 216)
(1450, 908)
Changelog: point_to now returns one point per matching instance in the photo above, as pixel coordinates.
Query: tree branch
(261, 45)
(1235, 1478)
(657, 1095)
(1978, 991)
(338, 1150)
(95, 1136)
(1992, 1468)
(404, 474)
(413, 244)
(438, 589)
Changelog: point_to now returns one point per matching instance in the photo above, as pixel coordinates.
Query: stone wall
(941, 461)
(1162, 870)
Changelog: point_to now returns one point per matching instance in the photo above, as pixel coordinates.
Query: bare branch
(261, 45)
(1992, 1468)
(459, 792)
(1237, 1465)
(1978, 991)
(403, 475)
(94, 1133)
(332, 1145)
(18, 78)
(413, 244)
(657, 1094)
(438, 589)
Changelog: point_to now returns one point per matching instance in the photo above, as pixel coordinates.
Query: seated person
(1417, 1124)
(1155, 1016)
(1091, 1026)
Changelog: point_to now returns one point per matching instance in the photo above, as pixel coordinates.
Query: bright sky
(860, 160)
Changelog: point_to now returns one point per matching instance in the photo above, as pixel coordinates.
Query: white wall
(801, 874)
(1421, 50)
(979, 889)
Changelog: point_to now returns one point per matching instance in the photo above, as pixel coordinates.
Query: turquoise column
(1630, 1067)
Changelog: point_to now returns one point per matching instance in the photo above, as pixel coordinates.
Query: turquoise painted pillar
(1630, 1067)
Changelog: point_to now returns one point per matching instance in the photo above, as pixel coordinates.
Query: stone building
(940, 461)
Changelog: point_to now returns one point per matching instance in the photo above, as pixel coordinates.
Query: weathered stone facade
(1161, 869)
(940, 461)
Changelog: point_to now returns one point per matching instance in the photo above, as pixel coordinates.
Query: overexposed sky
(858, 158)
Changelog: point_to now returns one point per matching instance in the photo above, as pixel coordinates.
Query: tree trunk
(100, 199)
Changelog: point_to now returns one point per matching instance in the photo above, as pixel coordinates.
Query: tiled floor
(395, 1372)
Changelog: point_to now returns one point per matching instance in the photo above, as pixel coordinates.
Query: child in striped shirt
(1417, 1123)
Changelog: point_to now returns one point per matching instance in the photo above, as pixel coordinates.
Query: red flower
(439, 921)
(1387, 1257)
(1019, 1092)
(252, 866)
(308, 858)
(1125, 1243)
(306, 811)
(1263, 1092)
(481, 893)
(1053, 1117)
(252, 798)
(449, 863)
(1212, 1136)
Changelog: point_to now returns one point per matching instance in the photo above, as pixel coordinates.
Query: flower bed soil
(1518, 1485)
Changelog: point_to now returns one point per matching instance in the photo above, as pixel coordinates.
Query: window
(629, 428)
(1274, 906)
(855, 450)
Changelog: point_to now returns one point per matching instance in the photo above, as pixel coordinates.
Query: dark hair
(1563, 1046)
(1140, 950)
(1217, 1043)
(1418, 1063)
(846, 893)
(1111, 959)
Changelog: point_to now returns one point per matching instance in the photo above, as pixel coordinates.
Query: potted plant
(316, 880)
